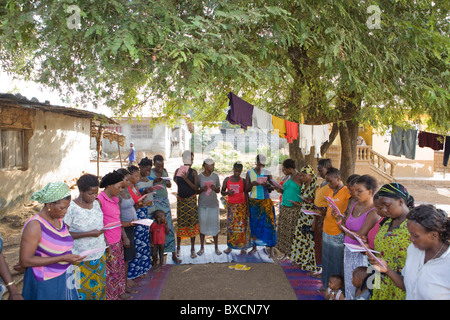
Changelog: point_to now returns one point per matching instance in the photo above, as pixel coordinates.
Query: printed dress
(392, 245)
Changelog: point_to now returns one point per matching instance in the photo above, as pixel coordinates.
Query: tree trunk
(348, 133)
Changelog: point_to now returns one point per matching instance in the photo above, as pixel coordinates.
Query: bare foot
(175, 259)
(243, 251)
(218, 252)
(252, 251)
(227, 250)
(201, 251)
(125, 296)
(193, 255)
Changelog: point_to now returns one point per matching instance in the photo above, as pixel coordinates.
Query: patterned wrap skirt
(142, 261)
(90, 277)
(303, 248)
(187, 217)
(263, 230)
(115, 272)
(238, 228)
(287, 221)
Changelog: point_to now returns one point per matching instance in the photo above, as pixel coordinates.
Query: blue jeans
(332, 256)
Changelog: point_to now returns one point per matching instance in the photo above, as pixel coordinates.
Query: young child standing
(238, 231)
(158, 231)
(208, 205)
(334, 290)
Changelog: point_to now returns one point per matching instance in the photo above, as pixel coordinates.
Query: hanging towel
(262, 119)
(403, 142)
(305, 138)
(430, 140)
(278, 124)
(291, 131)
(446, 150)
(240, 112)
(320, 134)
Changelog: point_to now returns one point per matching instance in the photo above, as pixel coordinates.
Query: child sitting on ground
(334, 290)
(158, 231)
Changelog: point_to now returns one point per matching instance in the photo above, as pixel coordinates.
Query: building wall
(160, 143)
(58, 150)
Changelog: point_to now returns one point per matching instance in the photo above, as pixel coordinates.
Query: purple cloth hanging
(240, 112)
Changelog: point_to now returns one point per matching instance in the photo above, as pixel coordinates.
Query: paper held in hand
(182, 170)
(145, 222)
(310, 213)
(261, 180)
(363, 245)
(208, 185)
(88, 252)
(112, 225)
(334, 206)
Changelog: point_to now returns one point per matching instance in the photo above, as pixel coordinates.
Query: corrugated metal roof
(18, 100)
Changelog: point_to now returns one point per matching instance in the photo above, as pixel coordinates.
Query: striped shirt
(258, 192)
(53, 243)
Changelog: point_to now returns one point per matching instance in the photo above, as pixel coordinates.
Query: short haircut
(87, 181)
(333, 172)
(289, 164)
(326, 163)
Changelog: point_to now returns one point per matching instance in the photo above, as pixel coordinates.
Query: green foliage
(313, 58)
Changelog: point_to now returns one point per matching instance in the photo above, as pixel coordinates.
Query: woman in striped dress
(45, 248)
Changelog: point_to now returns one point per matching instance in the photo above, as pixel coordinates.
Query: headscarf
(111, 178)
(396, 191)
(309, 191)
(52, 192)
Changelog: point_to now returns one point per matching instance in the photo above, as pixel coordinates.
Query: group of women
(413, 242)
(91, 247)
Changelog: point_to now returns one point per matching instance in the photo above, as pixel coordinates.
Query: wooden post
(99, 144)
(120, 157)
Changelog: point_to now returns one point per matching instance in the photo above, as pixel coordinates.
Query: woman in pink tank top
(361, 218)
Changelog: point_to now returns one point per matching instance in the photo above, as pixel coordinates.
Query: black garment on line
(446, 150)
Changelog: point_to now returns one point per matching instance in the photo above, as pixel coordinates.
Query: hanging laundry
(320, 134)
(262, 119)
(446, 150)
(305, 138)
(291, 131)
(240, 112)
(430, 140)
(278, 124)
(403, 142)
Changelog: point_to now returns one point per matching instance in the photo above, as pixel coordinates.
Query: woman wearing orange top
(332, 235)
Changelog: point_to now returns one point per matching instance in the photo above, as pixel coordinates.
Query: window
(141, 131)
(12, 149)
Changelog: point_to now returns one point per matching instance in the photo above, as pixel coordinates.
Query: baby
(334, 290)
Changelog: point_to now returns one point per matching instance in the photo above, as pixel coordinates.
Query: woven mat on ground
(151, 284)
(210, 256)
(305, 287)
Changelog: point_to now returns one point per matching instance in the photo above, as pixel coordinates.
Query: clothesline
(246, 115)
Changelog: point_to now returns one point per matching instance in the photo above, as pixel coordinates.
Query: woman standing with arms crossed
(45, 248)
(84, 219)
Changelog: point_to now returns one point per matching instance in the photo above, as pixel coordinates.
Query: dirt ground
(210, 281)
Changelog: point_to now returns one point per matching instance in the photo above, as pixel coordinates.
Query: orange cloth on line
(291, 131)
(319, 200)
(341, 199)
(279, 124)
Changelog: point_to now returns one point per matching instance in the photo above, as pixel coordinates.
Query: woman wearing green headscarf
(45, 248)
(303, 253)
(393, 238)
